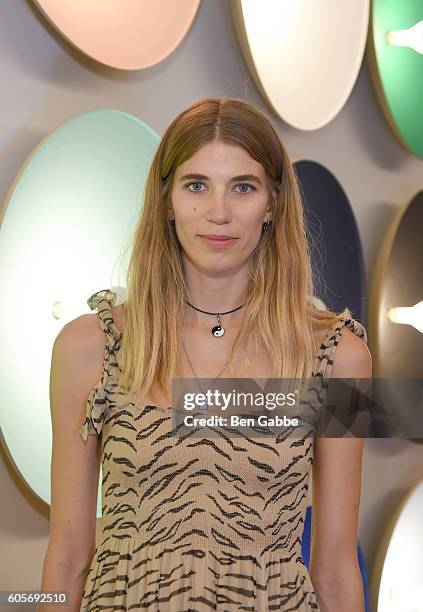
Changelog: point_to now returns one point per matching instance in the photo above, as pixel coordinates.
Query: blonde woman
(218, 285)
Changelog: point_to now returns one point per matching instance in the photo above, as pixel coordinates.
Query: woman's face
(220, 190)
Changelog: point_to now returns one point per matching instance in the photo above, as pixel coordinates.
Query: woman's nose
(219, 209)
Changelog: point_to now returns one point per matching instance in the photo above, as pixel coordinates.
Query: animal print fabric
(192, 524)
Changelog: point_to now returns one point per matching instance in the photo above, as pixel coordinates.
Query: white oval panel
(401, 569)
(304, 56)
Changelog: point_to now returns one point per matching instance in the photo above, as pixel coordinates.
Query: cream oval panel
(125, 34)
(304, 55)
(65, 232)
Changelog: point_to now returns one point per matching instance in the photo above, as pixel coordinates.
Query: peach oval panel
(124, 34)
(304, 56)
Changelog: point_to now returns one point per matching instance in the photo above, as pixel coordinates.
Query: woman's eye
(190, 184)
(243, 185)
(251, 187)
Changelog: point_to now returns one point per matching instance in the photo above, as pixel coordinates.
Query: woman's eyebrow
(203, 177)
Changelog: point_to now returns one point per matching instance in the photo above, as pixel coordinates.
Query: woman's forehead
(221, 159)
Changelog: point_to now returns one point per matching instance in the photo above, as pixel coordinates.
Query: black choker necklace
(218, 330)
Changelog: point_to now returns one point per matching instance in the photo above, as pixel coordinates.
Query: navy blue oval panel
(335, 246)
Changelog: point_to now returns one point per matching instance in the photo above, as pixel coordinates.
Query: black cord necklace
(218, 330)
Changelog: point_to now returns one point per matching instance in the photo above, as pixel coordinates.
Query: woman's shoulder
(342, 344)
(82, 332)
(78, 353)
(87, 339)
(353, 358)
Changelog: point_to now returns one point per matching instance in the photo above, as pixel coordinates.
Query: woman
(195, 523)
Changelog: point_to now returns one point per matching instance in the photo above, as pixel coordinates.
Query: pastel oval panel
(304, 56)
(335, 244)
(398, 570)
(125, 34)
(396, 59)
(66, 228)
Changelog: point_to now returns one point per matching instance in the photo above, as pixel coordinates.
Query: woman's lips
(218, 241)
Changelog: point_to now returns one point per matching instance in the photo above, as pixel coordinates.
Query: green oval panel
(66, 227)
(398, 71)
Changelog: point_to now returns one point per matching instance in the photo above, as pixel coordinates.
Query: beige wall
(44, 82)
(23, 534)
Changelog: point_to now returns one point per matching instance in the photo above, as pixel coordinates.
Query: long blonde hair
(279, 310)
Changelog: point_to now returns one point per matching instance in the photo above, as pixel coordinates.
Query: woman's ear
(269, 213)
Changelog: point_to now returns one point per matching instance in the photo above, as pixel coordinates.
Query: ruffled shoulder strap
(103, 301)
(101, 397)
(326, 354)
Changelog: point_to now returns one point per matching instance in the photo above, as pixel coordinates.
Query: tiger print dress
(194, 524)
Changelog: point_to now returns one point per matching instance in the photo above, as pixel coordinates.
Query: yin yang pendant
(203, 405)
(218, 330)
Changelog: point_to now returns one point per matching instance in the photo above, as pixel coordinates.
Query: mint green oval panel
(400, 70)
(66, 232)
